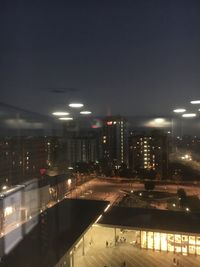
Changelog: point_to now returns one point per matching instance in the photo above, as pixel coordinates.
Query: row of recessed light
(72, 105)
(188, 115)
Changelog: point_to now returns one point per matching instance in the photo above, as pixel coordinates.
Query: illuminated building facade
(149, 152)
(159, 230)
(184, 243)
(115, 139)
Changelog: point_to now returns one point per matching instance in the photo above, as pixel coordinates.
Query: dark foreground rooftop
(57, 229)
(162, 220)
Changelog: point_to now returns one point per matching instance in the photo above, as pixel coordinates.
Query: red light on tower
(109, 123)
(43, 171)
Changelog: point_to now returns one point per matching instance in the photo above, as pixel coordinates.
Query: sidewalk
(114, 257)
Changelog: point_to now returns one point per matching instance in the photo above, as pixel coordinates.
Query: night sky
(137, 57)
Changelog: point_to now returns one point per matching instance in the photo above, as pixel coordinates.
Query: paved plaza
(98, 255)
(114, 257)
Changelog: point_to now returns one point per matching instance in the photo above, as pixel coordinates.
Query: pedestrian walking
(124, 264)
(174, 261)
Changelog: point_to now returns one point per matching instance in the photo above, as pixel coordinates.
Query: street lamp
(4, 187)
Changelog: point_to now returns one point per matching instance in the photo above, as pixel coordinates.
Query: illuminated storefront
(171, 242)
(158, 230)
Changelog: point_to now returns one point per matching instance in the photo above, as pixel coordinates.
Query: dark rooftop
(154, 219)
(57, 231)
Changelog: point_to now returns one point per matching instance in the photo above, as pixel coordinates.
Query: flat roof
(57, 230)
(154, 219)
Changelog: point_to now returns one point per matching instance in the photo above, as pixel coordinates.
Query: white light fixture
(189, 115)
(179, 110)
(195, 102)
(75, 105)
(85, 112)
(159, 120)
(66, 119)
(60, 113)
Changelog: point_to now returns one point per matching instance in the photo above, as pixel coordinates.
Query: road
(113, 191)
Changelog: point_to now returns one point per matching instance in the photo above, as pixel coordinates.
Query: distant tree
(82, 167)
(182, 197)
(149, 174)
(106, 168)
(124, 171)
(149, 185)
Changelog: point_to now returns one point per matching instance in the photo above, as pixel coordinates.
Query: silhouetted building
(115, 140)
(22, 158)
(82, 146)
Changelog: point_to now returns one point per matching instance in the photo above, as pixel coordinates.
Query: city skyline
(99, 133)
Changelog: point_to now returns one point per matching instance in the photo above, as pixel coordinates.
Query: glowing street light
(4, 187)
(76, 105)
(60, 113)
(179, 110)
(189, 115)
(69, 181)
(85, 112)
(66, 118)
(194, 102)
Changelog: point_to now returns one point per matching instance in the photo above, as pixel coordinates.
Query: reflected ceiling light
(66, 119)
(189, 115)
(85, 112)
(179, 110)
(60, 113)
(157, 123)
(159, 120)
(75, 105)
(195, 102)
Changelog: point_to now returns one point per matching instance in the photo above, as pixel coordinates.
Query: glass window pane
(171, 242)
(150, 240)
(143, 239)
(163, 242)
(157, 241)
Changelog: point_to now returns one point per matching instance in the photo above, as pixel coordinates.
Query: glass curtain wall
(178, 243)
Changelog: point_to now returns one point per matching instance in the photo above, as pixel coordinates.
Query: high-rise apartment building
(149, 152)
(115, 140)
